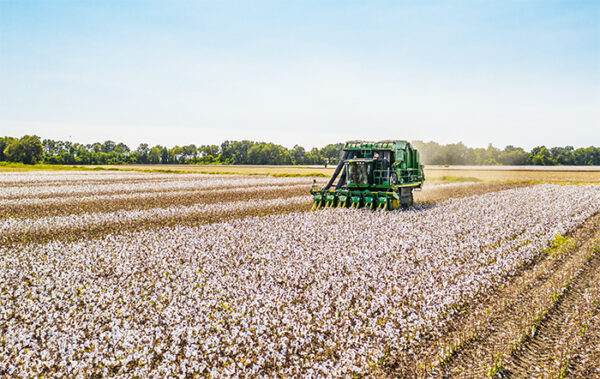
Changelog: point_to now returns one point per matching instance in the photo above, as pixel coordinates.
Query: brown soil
(490, 329)
(540, 355)
(77, 205)
(438, 193)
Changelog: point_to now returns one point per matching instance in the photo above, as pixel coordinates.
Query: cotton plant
(156, 184)
(328, 293)
(140, 196)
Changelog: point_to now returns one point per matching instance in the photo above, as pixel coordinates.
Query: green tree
(27, 150)
(513, 156)
(298, 155)
(540, 156)
(333, 152)
(108, 146)
(562, 155)
(155, 155)
(4, 142)
(121, 148)
(189, 152)
(143, 151)
(269, 154)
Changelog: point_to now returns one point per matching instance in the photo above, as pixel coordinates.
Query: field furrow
(93, 225)
(41, 192)
(73, 205)
(481, 344)
(547, 349)
(582, 362)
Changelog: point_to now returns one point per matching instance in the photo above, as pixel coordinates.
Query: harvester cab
(374, 175)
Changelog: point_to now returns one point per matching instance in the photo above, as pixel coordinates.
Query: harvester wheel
(409, 202)
(395, 204)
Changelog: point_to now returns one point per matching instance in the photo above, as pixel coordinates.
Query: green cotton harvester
(374, 175)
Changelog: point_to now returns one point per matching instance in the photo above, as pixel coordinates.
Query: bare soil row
(189, 198)
(147, 200)
(525, 329)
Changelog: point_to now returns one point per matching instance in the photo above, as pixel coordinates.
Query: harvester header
(379, 175)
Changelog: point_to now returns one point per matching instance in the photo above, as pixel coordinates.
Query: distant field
(573, 174)
(226, 169)
(567, 174)
(532, 174)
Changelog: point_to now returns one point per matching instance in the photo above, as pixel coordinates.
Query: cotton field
(258, 287)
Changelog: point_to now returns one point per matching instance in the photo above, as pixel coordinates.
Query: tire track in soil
(477, 355)
(587, 355)
(540, 355)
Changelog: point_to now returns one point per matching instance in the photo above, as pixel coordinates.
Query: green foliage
(269, 154)
(4, 142)
(432, 153)
(29, 150)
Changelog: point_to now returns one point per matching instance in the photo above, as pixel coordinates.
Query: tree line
(31, 149)
(433, 153)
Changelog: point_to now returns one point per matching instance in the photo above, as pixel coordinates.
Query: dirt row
(442, 192)
(76, 205)
(584, 359)
(79, 205)
(116, 226)
(518, 330)
(187, 198)
(548, 349)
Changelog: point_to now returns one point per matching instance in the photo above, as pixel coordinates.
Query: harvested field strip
(532, 174)
(94, 225)
(85, 190)
(62, 183)
(68, 176)
(582, 362)
(62, 206)
(477, 342)
(546, 346)
(437, 192)
(100, 178)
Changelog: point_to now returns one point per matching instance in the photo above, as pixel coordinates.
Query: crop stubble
(531, 327)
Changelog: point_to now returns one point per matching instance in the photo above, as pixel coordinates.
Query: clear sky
(525, 73)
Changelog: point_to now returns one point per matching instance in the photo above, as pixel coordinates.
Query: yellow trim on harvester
(410, 185)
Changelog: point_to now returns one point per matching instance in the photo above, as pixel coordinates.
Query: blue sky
(312, 72)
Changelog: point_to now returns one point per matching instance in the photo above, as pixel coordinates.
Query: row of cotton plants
(158, 184)
(93, 177)
(329, 293)
(68, 200)
(15, 225)
(8, 177)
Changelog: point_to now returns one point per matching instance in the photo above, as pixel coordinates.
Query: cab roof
(380, 145)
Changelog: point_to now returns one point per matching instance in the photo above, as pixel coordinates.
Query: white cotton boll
(281, 290)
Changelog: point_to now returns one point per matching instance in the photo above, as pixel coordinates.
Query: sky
(523, 73)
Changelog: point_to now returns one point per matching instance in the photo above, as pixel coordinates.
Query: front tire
(407, 201)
